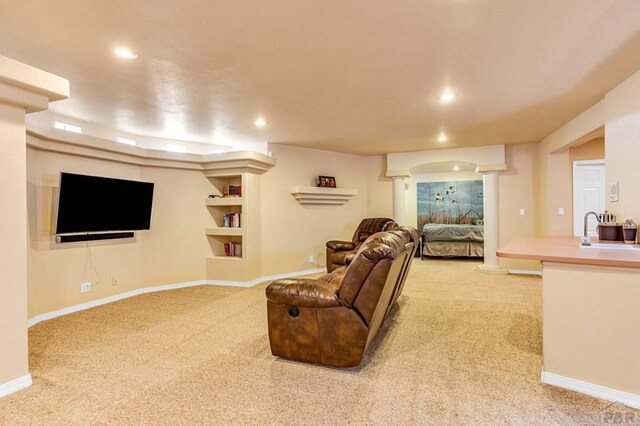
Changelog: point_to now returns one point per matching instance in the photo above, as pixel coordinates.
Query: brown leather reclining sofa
(332, 320)
(340, 253)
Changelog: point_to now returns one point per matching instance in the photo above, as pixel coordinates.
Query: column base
(493, 270)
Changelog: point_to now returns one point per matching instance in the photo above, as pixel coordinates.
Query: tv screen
(95, 204)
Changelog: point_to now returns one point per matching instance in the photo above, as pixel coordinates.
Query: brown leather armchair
(340, 253)
(332, 320)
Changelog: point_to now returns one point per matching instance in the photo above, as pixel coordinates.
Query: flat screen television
(98, 204)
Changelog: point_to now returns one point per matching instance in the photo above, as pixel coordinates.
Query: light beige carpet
(461, 348)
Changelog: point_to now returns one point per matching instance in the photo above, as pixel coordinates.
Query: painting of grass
(450, 202)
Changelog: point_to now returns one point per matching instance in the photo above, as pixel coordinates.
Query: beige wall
(619, 115)
(622, 149)
(517, 190)
(175, 248)
(554, 175)
(591, 150)
(13, 246)
(379, 187)
(173, 251)
(291, 232)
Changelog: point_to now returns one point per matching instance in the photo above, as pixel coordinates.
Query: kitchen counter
(590, 315)
(569, 250)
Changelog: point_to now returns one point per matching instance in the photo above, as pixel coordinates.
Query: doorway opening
(588, 194)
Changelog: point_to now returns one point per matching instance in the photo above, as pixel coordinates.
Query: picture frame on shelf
(326, 181)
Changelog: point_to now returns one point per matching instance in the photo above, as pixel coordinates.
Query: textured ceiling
(359, 76)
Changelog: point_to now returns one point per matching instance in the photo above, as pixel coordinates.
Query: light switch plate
(613, 191)
(521, 212)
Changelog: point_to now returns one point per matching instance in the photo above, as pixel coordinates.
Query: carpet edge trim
(15, 385)
(591, 389)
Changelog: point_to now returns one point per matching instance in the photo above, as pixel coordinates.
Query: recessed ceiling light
(176, 148)
(260, 122)
(67, 127)
(447, 96)
(126, 141)
(442, 137)
(125, 53)
(456, 168)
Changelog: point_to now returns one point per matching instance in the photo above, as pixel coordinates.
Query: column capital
(398, 174)
(28, 87)
(491, 168)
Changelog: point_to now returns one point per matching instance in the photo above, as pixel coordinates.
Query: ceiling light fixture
(447, 96)
(67, 127)
(125, 53)
(456, 168)
(126, 141)
(176, 148)
(442, 137)
(260, 122)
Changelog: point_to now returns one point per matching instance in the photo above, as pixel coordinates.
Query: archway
(489, 161)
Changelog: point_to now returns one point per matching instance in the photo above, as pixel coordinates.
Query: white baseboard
(109, 299)
(103, 301)
(265, 278)
(590, 389)
(15, 385)
(525, 272)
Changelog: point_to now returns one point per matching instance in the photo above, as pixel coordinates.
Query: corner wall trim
(15, 385)
(109, 299)
(590, 389)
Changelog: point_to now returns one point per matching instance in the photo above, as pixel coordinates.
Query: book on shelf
(232, 191)
(231, 220)
(233, 249)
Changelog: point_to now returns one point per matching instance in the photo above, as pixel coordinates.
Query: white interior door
(588, 194)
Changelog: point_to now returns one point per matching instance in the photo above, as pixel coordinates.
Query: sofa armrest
(304, 292)
(340, 245)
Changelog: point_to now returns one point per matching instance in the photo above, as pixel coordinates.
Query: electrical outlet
(85, 287)
(561, 211)
(312, 259)
(521, 212)
(114, 282)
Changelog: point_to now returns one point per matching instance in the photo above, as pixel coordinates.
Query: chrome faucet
(586, 240)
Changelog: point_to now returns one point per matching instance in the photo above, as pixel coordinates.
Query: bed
(449, 240)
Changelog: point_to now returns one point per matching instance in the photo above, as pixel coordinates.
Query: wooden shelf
(220, 201)
(231, 232)
(326, 196)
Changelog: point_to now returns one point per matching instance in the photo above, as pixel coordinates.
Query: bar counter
(591, 315)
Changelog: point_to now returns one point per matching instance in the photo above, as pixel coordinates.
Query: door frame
(577, 164)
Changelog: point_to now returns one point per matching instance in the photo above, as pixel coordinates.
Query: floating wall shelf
(327, 196)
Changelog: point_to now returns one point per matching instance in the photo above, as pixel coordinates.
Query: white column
(398, 200)
(398, 194)
(491, 219)
(23, 89)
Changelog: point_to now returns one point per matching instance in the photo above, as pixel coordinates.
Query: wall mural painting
(450, 203)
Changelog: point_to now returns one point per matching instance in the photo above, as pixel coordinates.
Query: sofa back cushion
(365, 278)
(370, 226)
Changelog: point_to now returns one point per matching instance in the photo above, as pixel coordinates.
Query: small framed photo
(326, 181)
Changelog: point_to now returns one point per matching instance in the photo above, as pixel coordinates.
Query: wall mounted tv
(90, 204)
